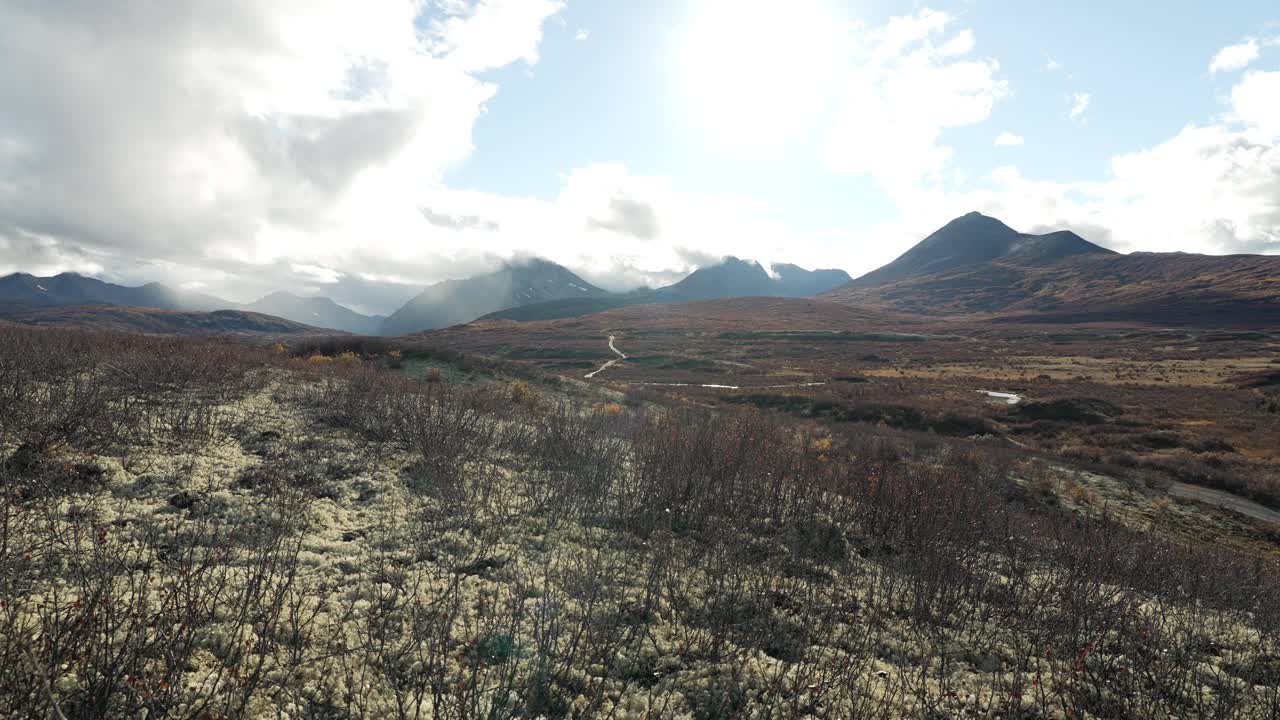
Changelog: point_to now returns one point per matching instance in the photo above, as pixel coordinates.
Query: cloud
(1235, 57)
(582, 34)
(1052, 65)
(191, 134)
(1079, 105)
(628, 216)
(459, 222)
(1008, 139)
(620, 230)
(1256, 101)
(491, 33)
(913, 82)
(1209, 188)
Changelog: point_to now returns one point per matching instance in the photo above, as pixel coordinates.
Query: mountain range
(973, 265)
(22, 290)
(732, 277)
(522, 289)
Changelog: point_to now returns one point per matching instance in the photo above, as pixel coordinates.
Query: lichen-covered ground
(331, 540)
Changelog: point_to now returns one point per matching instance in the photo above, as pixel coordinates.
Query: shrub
(521, 393)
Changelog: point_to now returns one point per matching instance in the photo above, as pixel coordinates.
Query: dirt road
(1224, 500)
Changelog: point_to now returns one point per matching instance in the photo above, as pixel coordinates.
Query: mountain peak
(735, 277)
(976, 238)
(518, 282)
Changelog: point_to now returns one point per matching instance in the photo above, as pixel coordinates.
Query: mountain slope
(154, 320)
(730, 278)
(795, 281)
(1164, 288)
(68, 289)
(516, 284)
(76, 289)
(974, 239)
(317, 311)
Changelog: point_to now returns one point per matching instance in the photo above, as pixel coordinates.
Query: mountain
(728, 279)
(515, 284)
(976, 238)
(25, 290)
(746, 278)
(1059, 277)
(154, 320)
(794, 281)
(76, 289)
(317, 311)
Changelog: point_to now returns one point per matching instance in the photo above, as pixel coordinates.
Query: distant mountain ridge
(125, 318)
(732, 277)
(977, 265)
(76, 289)
(73, 289)
(526, 289)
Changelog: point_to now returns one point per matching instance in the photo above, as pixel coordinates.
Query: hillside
(1165, 288)
(122, 318)
(975, 239)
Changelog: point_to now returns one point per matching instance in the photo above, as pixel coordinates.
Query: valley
(836, 505)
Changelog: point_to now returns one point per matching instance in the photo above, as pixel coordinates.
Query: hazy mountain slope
(794, 281)
(155, 320)
(515, 284)
(75, 289)
(731, 278)
(976, 238)
(66, 289)
(728, 279)
(317, 311)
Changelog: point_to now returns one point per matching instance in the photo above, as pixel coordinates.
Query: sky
(364, 150)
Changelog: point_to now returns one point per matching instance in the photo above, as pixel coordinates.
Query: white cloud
(492, 33)
(582, 34)
(912, 83)
(1080, 104)
(1209, 189)
(1256, 101)
(1008, 139)
(621, 230)
(236, 134)
(1052, 65)
(1235, 57)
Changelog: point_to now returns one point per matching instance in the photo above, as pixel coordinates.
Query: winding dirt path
(621, 356)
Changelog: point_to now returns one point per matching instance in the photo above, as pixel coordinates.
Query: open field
(199, 528)
(1187, 405)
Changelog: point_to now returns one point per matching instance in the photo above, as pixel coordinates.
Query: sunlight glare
(754, 73)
